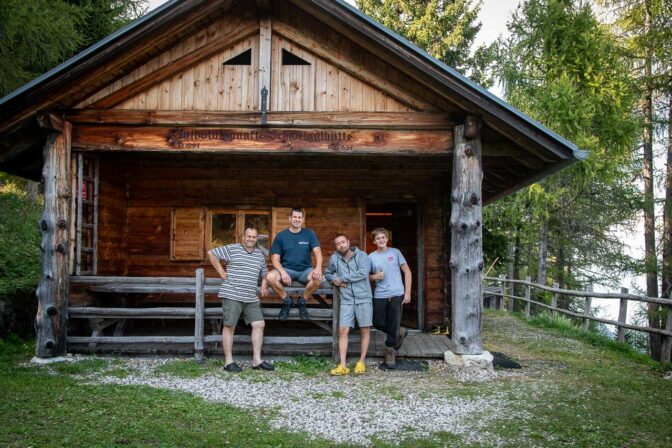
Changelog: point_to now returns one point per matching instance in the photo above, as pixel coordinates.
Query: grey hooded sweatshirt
(354, 272)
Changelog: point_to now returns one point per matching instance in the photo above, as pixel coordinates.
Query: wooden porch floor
(416, 345)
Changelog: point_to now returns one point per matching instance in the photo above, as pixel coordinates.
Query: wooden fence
(502, 289)
(198, 286)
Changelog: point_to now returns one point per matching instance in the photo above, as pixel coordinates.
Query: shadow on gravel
(407, 365)
(504, 362)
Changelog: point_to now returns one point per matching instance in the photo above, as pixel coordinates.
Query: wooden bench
(102, 317)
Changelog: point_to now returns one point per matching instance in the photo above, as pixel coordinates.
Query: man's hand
(317, 273)
(378, 276)
(337, 282)
(407, 299)
(286, 279)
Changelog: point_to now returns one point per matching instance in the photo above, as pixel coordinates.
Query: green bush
(19, 240)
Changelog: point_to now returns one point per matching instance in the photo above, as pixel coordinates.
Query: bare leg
(275, 282)
(227, 344)
(366, 338)
(257, 341)
(311, 287)
(343, 344)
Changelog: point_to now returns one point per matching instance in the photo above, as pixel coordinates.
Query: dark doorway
(401, 220)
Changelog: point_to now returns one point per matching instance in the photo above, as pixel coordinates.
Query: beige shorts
(232, 309)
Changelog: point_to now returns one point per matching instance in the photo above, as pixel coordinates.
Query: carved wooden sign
(260, 140)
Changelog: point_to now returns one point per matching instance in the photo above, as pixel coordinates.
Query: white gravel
(388, 405)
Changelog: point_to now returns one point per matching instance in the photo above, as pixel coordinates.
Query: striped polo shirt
(244, 270)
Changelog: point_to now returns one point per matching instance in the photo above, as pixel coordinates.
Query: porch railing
(501, 289)
(199, 313)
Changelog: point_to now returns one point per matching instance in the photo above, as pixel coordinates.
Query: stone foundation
(472, 362)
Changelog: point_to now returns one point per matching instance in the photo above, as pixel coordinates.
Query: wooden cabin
(171, 134)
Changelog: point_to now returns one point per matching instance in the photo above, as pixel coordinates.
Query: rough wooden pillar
(52, 291)
(466, 252)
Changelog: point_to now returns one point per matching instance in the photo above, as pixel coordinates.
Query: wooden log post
(666, 346)
(554, 300)
(52, 291)
(199, 317)
(586, 309)
(622, 316)
(336, 309)
(466, 253)
(502, 292)
(528, 295)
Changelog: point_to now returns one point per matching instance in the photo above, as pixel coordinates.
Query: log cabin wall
(334, 198)
(112, 232)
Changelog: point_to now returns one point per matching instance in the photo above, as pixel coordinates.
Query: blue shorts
(299, 276)
(362, 311)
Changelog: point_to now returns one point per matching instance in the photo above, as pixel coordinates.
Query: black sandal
(263, 365)
(233, 367)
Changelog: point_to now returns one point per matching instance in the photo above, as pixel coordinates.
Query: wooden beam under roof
(370, 120)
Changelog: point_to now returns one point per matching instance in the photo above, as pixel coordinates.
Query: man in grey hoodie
(348, 269)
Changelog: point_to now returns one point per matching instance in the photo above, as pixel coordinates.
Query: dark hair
(296, 209)
(338, 235)
(251, 227)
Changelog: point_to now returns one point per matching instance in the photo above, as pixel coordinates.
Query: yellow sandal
(360, 368)
(340, 370)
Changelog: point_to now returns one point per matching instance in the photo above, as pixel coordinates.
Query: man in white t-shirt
(245, 265)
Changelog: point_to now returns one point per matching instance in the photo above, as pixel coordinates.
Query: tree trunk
(543, 251)
(649, 198)
(516, 268)
(466, 254)
(666, 277)
(32, 189)
(52, 291)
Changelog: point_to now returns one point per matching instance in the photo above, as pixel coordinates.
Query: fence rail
(102, 317)
(504, 288)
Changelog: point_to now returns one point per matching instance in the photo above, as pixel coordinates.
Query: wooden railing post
(336, 307)
(502, 291)
(586, 309)
(666, 347)
(199, 316)
(512, 292)
(528, 294)
(554, 300)
(622, 316)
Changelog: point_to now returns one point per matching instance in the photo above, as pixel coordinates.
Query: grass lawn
(573, 390)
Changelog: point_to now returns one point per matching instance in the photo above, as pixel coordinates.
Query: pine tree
(446, 29)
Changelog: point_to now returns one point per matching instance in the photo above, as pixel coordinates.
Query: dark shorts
(299, 276)
(232, 309)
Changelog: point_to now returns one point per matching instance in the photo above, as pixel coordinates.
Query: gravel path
(388, 405)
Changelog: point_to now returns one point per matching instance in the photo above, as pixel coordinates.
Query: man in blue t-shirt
(291, 258)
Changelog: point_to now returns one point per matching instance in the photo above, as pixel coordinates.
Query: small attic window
(244, 58)
(292, 59)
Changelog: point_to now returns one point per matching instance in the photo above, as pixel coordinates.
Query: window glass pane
(263, 224)
(223, 229)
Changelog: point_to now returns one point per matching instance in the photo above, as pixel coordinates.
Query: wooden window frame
(240, 223)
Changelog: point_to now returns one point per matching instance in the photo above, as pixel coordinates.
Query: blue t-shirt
(295, 248)
(390, 263)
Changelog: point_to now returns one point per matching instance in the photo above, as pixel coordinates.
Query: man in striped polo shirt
(244, 264)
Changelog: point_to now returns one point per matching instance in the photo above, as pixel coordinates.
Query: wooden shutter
(187, 234)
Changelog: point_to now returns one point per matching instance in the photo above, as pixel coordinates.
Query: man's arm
(407, 282)
(275, 261)
(317, 271)
(215, 262)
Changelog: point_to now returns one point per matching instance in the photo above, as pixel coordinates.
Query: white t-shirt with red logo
(390, 263)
